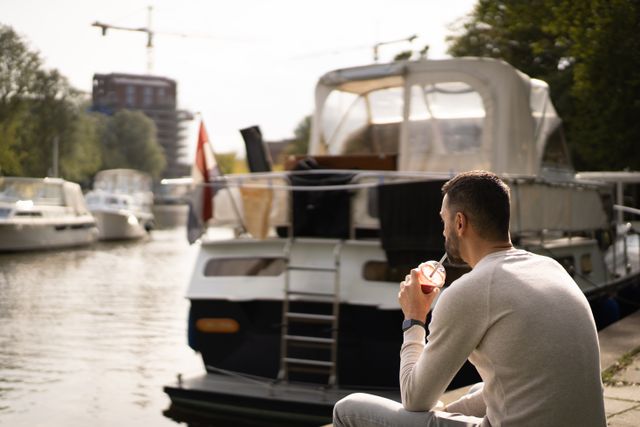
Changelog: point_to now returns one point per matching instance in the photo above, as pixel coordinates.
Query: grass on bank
(608, 375)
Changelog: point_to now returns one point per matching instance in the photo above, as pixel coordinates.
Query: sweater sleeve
(470, 404)
(457, 325)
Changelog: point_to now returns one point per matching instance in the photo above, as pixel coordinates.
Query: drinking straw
(438, 264)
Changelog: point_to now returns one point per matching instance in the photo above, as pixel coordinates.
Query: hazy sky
(242, 62)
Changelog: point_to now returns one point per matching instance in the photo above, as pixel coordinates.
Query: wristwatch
(407, 323)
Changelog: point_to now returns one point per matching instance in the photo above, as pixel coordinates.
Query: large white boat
(299, 306)
(121, 202)
(43, 213)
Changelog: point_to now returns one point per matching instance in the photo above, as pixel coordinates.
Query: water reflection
(89, 336)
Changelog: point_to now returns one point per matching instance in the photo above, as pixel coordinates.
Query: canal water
(89, 336)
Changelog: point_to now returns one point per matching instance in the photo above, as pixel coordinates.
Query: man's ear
(461, 223)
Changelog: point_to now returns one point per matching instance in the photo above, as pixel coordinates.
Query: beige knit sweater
(527, 328)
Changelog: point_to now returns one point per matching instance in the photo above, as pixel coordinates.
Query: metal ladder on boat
(290, 318)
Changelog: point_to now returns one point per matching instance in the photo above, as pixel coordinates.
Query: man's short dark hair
(484, 199)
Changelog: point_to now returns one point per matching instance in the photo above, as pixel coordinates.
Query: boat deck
(224, 395)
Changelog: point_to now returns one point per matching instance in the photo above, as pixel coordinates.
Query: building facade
(157, 98)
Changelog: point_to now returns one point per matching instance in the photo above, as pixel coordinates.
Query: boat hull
(267, 402)
(369, 339)
(18, 235)
(116, 225)
(368, 360)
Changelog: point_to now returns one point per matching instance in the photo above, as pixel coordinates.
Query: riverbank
(620, 362)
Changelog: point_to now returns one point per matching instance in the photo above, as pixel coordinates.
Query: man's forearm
(415, 396)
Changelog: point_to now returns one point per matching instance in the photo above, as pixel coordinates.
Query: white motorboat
(623, 257)
(290, 319)
(43, 213)
(121, 202)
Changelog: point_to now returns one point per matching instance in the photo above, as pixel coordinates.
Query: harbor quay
(620, 362)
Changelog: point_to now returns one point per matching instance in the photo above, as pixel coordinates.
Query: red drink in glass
(430, 279)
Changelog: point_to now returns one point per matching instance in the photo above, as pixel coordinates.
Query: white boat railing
(539, 206)
(625, 231)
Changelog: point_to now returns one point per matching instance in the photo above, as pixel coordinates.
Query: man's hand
(414, 303)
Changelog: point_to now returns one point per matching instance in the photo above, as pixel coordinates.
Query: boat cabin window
(40, 193)
(367, 123)
(380, 271)
(445, 118)
(343, 114)
(244, 267)
(118, 201)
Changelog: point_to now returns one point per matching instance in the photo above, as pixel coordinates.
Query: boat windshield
(40, 193)
(125, 181)
(548, 130)
(444, 117)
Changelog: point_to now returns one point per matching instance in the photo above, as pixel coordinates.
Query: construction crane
(104, 27)
(376, 47)
(148, 30)
(151, 33)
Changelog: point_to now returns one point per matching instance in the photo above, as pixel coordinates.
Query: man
(518, 317)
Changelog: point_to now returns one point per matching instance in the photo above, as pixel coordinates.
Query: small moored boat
(121, 202)
(43, 213)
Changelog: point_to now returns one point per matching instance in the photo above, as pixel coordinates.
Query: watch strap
(407, 323)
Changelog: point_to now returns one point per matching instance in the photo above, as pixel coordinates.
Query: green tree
(82, 158)
(604, 53)
(10, 156)
(522, 34)
(587, 51)
(226, 162)
(129, 141)
(18, 71)
(515, 31)
(52, 113)
(38, 107)
(302, 136)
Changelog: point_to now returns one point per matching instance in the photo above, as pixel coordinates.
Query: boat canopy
(123, 181)
(431, 119)
(122, 187)
(441, 116)
(43, 192)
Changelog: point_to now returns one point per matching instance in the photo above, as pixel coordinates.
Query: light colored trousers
(364, 410)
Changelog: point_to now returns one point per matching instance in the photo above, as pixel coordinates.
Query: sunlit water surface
(89, 336)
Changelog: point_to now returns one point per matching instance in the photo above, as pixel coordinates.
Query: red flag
(203, 171)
